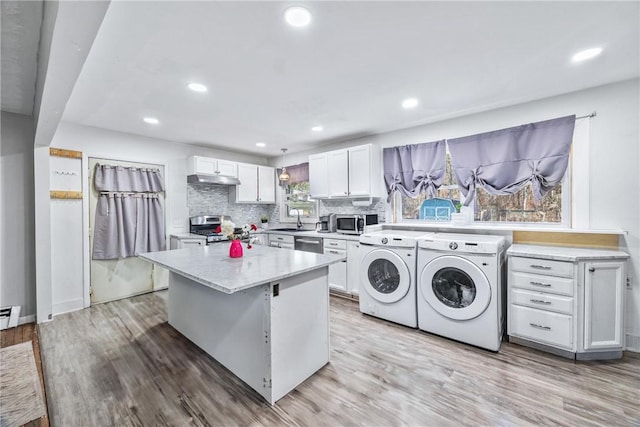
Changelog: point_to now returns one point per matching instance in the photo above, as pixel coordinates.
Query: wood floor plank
(120, 363)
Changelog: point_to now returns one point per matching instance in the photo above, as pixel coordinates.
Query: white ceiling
(20, 36)
(348, 71)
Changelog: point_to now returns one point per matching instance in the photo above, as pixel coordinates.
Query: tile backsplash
(205, 199)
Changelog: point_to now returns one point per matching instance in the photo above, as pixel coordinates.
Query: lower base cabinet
(344, 276)
(568, 301)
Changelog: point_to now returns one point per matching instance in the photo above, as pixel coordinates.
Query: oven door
(347, 224)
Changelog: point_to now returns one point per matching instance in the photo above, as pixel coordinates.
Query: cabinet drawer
(281, 238)
(542, 326)
(335, 244)
(543, 301)
(540, 282)
(542, 266)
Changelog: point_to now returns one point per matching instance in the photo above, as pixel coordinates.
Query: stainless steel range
(206, 225)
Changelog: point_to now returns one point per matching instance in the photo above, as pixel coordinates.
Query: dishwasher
(308, 244)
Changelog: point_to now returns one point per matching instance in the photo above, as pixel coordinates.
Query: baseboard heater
(9, 316)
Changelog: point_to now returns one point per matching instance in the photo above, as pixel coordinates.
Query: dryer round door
(385, 276)
(455, 287)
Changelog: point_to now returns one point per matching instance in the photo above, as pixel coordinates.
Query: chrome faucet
(299, 223)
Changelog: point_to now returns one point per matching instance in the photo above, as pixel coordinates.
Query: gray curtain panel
(129, 216)
(122, 178)
(115, 227)
(413, 169)
(504, 161)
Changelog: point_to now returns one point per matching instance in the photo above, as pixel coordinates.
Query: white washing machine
(388, 275)
(461, 294)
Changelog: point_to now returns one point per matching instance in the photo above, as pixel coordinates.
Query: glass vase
(235, 250)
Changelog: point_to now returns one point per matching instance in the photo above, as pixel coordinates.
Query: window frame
(282, 204)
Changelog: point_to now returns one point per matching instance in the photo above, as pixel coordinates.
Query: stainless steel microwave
(354, 223)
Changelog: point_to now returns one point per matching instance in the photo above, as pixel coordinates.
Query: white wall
(613, 160)
(17, 257)
(106, 144)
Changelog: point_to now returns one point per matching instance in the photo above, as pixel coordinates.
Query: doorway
(114, 279)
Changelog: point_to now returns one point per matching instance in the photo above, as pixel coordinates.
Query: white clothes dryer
(388, 275)
(461, 294)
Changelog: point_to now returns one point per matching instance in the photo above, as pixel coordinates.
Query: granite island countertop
(211, 265)
(563, 253)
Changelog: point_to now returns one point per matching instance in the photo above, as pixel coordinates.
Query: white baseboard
(67, 306)
(632, 343)
(27, 319)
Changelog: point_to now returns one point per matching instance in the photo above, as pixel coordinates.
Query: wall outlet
(629, 282)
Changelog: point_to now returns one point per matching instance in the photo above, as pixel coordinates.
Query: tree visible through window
(296, 199)
(515, 208)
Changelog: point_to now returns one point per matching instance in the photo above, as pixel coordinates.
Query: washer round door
(385, 276)
(455, 287)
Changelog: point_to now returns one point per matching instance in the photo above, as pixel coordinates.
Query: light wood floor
(121, 364)
(24, 333)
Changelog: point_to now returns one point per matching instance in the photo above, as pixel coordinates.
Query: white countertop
(188, 236)
(562, 253)
(211, 265)
(313, 233)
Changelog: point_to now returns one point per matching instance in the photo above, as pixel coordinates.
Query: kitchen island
(264, 316)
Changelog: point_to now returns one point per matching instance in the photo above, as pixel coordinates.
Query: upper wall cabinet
(207, 165)
(347, 173)
(257, 184)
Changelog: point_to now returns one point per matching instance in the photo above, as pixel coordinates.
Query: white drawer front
(542, 326)
(542, 266)
(280, 238)
(540, 282)
(543, 301)
(335, 244)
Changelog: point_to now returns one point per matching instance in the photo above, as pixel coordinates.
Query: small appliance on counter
(206, 225)
(327, 223)
(354, 223)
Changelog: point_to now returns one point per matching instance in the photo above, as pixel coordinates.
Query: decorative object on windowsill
(228, 228)
(436, 209)
(284, 176)
(264, 220)
(462, 215)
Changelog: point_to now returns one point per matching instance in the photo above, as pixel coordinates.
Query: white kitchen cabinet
(283, 241)
(257, 184)
(337, 271)
(318, 176)
(346, 173)
(179, 242)
(353, 267)
(567, 300)
(260, 239)
(210, 166)
(603, 304)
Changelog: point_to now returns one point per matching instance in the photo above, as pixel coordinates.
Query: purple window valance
(125, 178)
(504, 161)
(414, 169)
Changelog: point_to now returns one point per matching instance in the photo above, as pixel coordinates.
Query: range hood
(203, 178)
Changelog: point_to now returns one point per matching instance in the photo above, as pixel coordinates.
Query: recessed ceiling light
(260, 144)
(586, 54)
(317, 128)
(197, 87)
(151, 120)
(409, 103)
(297, 16)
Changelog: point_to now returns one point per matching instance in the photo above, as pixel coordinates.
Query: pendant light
(284, 175)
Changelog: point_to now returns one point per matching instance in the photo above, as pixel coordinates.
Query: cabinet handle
(544, 285)
(591, 269)
(539, 301)
(540, 267)
(346, 192)
(546, 328)
(334, 252)
(333, 244)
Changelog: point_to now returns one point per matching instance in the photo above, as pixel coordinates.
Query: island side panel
(229, 327)
(299, 329)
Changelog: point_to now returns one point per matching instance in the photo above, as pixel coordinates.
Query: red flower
(218, 229)
(253, 227)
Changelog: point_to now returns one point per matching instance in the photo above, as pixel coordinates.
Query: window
(554, 208)
(296, 199)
